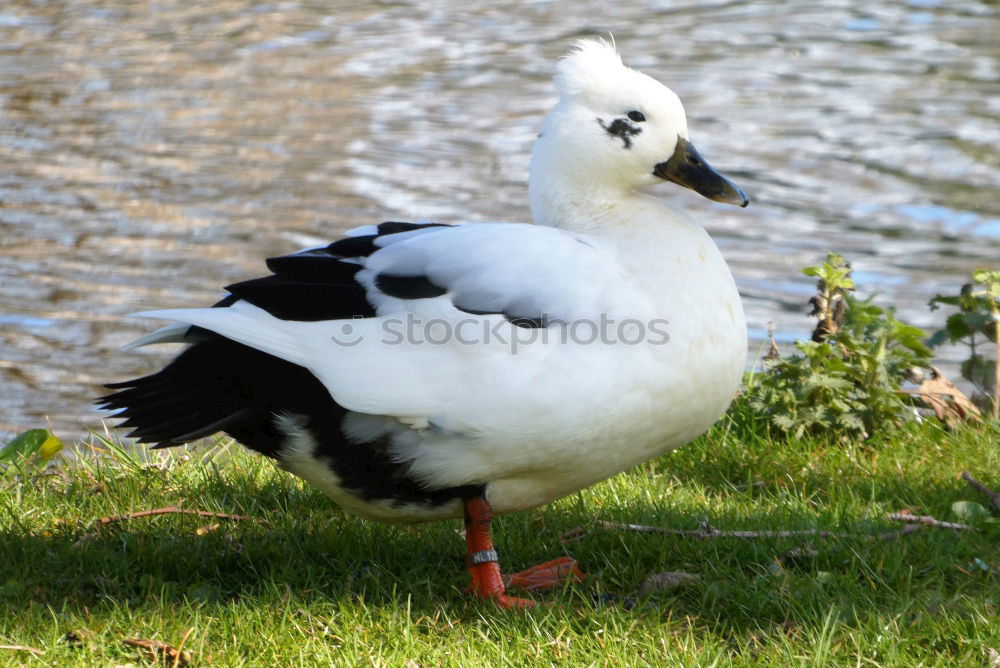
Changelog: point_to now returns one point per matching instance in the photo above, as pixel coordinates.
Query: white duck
(414, 372)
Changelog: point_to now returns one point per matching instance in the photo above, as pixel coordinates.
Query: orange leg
(487, 582)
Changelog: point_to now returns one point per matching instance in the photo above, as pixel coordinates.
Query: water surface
(155, 152)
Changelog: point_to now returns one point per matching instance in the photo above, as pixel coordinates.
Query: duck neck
(572, 194)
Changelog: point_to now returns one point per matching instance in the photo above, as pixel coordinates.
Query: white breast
(594, 410)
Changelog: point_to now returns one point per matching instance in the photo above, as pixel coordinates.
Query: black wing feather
(216, 384)
(219, 385)
(306, 301)
(408, 287)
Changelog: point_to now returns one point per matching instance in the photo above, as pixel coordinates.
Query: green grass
(315, 586)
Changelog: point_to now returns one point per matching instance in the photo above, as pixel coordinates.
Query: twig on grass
(980, 487)
(173, 510)
(927, 520)
(23, 648)
(707, 531)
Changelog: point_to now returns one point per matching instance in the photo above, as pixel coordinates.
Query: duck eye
(636, 116)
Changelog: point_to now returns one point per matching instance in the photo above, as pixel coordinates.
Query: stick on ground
(23, 648)
(928, 521)
(705, 531)
(174, 510)
(708, 531)
(980, 487)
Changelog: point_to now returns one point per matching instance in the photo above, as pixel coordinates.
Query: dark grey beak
(687, 168)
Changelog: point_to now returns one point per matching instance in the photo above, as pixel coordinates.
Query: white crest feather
(593, 64)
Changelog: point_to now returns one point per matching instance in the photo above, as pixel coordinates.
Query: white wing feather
(374, 365)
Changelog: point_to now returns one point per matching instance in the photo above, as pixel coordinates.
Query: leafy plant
(34, 441)
(976, 325)
(833, 281)
(971, 512)
(846, 381)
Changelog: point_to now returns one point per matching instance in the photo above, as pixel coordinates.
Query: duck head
(614, 130)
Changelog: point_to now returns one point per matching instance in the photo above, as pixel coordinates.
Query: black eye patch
(636, 116)
(622, 129)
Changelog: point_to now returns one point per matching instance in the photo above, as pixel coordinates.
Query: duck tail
(213, 385)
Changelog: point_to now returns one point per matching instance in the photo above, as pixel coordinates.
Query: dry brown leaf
(949, 403)
(667, 581)
(160, 651)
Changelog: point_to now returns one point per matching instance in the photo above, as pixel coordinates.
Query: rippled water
(153, 153)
